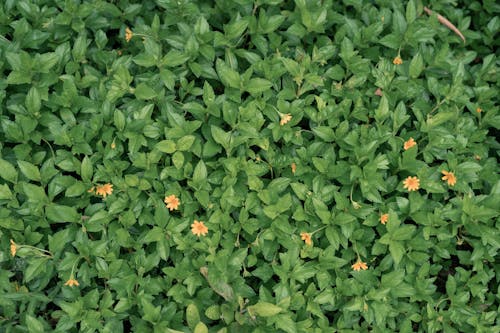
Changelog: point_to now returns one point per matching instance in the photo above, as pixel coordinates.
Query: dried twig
(447, 23)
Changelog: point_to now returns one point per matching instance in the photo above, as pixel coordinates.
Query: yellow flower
(285, 118)
(13, 248)
(104, 190)
(479, 110)
(306, 237)
(72, 282)
(411, 183)
(449, 177)
(113, 145)
(384, 218)
(359, 265)
(198, 228)
(172, 202)
(397, 60)
(410, 143)
(128, 34)
(294, 167)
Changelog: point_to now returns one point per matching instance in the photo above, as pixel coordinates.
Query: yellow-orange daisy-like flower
(397, 61)
(294, 167)
(479, 110)
(410, 143)
(128, 34)
(359, 265)
(306, 237)
(13, 248)
(72, 282)
(384, 218)
(172, 202)
(449, 177)
(285, 118)
(198, 228)
(411, 183)
(104, 190)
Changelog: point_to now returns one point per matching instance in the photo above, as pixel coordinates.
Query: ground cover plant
(249, 166)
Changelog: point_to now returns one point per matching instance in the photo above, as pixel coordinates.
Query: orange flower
(285, 118)
(104, 190)
(410, 143)
(411, 183)
(13, 248)
(72, 282)
(198, 228)
(306, 237)
(384, 218)
(479, 110)
(294, 167)
(128, 34)
(359, 265)
(449, 177)
(397, 60)
(172, 202)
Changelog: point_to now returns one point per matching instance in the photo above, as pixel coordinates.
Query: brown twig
(447, 23)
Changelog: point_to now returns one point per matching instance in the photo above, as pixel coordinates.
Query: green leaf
(185, 143)
(200, 328)
(221, 137)
(33, 324)
(200, 172)
(229, 77)
(8, 173)
(257, 86)
(61, 214)
(29, 170)
(174, 58)
(86, 169)
(416, 66)
(235, 29)
(143, 91)
(264, 309)
(5, 193)
(411, 12)
(397, 251)
(33, 101)
(382, 112)
(192, 315)
(166, 146)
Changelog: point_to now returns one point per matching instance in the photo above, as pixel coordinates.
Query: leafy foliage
(286, 129)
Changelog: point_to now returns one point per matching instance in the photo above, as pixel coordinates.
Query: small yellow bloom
(198, 228)
(13, 248)
(285, 118)
(72, 282)
(411, 183)
(479, 110)
(128, 34)
(104, 190)
(384, 218)
(113, 145)
(172, 202)
(449, 177)
(294, 167)
(397, 60)
(306, 237)
(359, 265)
(410, 143)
